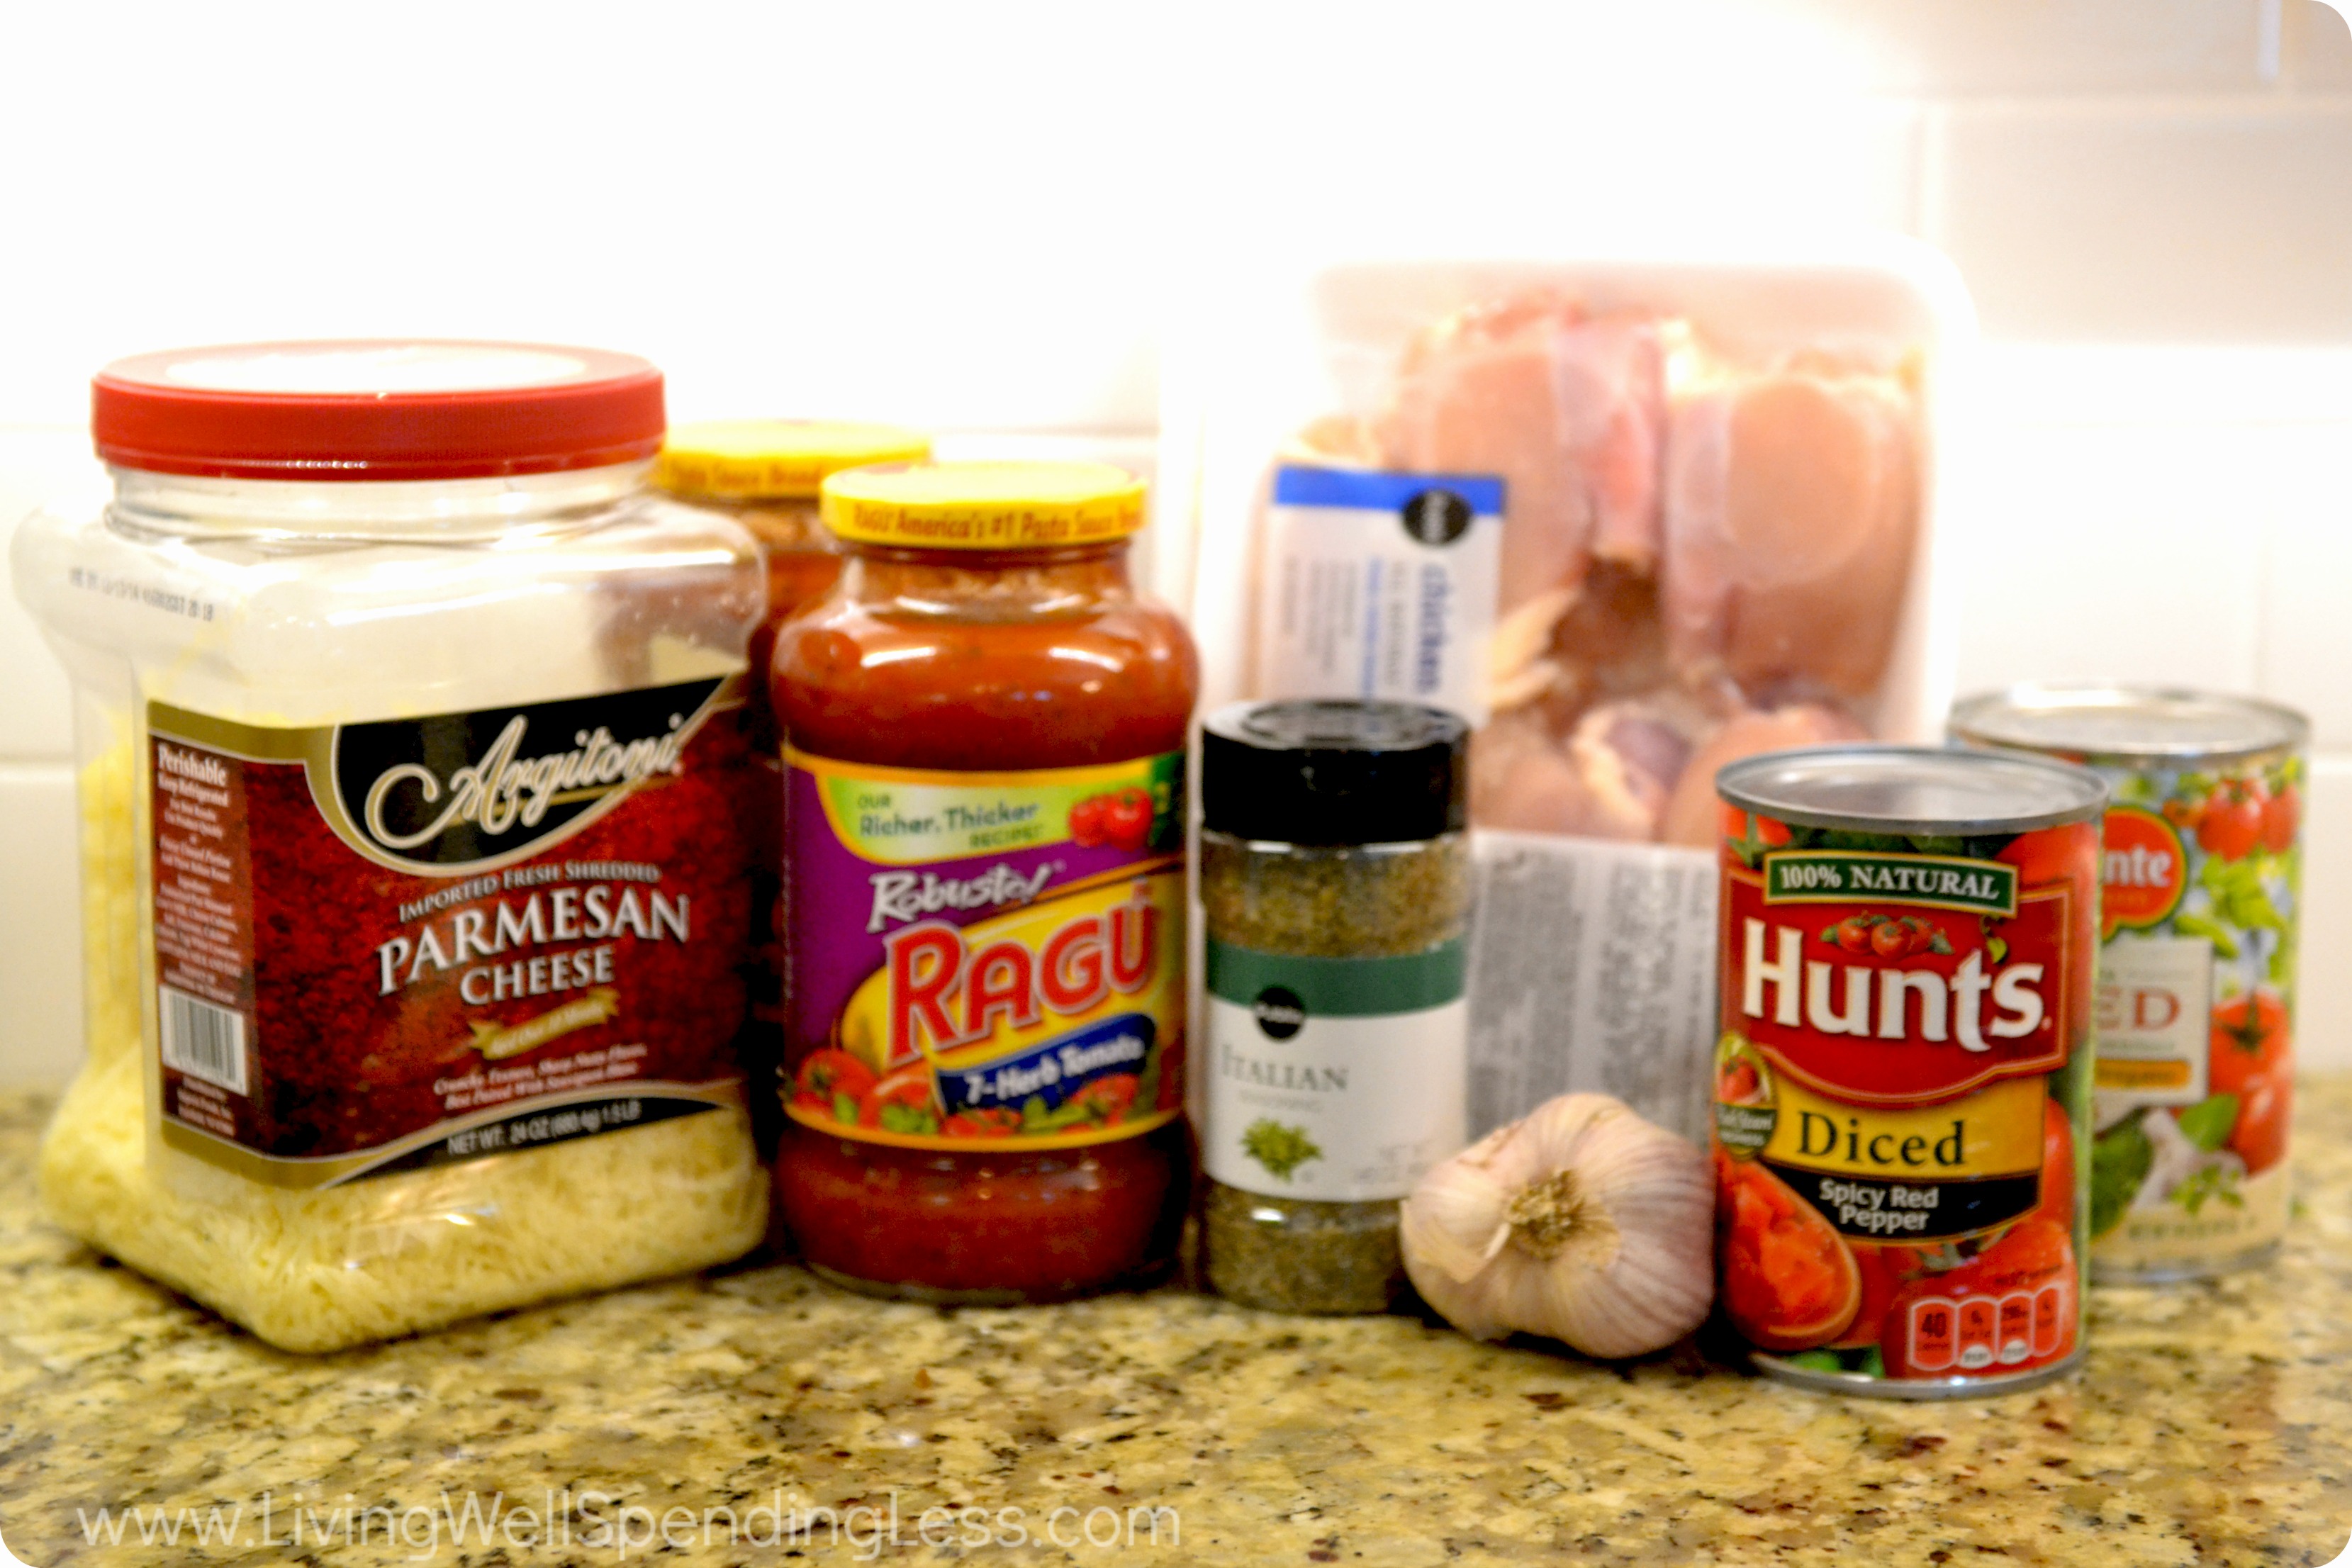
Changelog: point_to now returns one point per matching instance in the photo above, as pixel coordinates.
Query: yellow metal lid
(750, 457)
(984, 505)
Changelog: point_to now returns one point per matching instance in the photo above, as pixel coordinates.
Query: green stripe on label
(1341, 987)
(1845, 875)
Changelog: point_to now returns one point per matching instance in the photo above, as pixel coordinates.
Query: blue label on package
(1370, 490)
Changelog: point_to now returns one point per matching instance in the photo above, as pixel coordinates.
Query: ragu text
(941, 988)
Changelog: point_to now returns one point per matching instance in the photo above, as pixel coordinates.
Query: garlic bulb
(1581, 1221)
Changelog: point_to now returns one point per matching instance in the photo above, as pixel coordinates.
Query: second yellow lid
(743, 458)
(984, 505)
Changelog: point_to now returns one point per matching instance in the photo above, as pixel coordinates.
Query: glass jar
(1336, 886)
(984, 729)
(763, 474)
(413, 878)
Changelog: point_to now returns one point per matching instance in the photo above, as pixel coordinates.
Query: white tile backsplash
(2180, 514)
(2314, 48)
(2019, 47)
(2323, 1001)
(2205, 220)
(41, 925)
(2307, 594)
(928, 212)
(2094, 551)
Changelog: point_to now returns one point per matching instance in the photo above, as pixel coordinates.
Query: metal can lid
(1330, 773)
(2130, 724)
(1913, 790)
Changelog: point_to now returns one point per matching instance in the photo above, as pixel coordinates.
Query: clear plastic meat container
(1635, 516)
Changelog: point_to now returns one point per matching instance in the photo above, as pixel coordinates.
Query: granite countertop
(2209, 1427)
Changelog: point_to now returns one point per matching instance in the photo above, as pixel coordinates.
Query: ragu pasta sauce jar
(985, 737)
(1909, 945)
(2197, 962)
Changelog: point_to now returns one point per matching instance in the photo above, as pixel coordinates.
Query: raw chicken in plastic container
(1720, 481)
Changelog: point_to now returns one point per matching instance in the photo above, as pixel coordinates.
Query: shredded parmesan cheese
(326, 1269)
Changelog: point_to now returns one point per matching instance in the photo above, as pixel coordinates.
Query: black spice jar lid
(1312, 772)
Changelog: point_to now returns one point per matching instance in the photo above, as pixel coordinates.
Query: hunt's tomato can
(1902, 1085)
(2196, 963)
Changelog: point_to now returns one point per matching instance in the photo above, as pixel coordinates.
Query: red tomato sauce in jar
(985, 731)
(1901, 1085)
(764, 474)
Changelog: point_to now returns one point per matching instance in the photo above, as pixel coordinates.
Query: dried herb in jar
(1337, 885)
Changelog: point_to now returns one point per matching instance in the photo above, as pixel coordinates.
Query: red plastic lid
(377, 409)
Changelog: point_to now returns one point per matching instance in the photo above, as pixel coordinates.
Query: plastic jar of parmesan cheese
(414, 854)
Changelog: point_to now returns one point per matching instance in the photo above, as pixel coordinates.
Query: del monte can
(2196, 966)
(1902, 1078)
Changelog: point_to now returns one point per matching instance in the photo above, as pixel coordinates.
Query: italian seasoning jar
(1336, 882)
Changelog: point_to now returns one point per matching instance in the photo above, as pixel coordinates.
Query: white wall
(968, 216)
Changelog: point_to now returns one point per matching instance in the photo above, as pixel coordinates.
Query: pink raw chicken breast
(1524, 779)
(1612, 777)
(1690, 816)
(1791, 501)
(1570, 648)
(1681, 538)
(1570, 411)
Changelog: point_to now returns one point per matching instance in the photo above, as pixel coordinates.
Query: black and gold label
(386, 945)
(1919, 1173)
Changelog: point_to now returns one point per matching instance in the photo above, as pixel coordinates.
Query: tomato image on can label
(2196, 1077)
(1902, 1069)
(2201, 894)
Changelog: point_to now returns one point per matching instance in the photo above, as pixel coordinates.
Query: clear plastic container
(289, 1110)
(1302, 360)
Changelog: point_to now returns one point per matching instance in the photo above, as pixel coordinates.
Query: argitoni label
(486, 788)
(1901, 1087)
(392, 944)
(984, 958)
